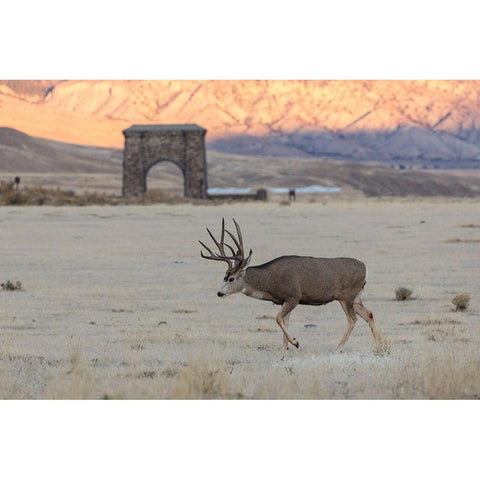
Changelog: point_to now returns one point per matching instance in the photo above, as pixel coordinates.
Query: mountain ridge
(426, 123)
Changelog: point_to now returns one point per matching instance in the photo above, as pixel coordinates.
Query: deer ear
(246, 262)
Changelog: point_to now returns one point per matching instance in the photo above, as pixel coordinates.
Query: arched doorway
(165, 175)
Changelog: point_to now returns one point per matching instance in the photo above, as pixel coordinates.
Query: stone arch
(147, 145)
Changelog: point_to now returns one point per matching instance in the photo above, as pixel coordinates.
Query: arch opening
(165, 175)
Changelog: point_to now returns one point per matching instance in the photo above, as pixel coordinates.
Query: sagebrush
(403, 293)
(461, 301)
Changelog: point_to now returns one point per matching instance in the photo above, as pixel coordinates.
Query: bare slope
(21, 153)
(366, 178)
(77, 167)
(424, 122)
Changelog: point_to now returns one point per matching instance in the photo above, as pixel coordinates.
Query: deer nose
(220, 294)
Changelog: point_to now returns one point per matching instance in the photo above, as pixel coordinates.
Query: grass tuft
(383, 346)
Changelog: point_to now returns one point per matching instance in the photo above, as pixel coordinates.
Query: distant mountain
(33, 90)
(426, 123)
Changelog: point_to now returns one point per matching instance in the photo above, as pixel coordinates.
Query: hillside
(425, 123)
(22, 153)
(79, 168)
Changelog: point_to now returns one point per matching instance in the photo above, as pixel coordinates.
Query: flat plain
(117, 302)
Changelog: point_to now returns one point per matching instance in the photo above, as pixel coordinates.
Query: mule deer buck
(292, 280)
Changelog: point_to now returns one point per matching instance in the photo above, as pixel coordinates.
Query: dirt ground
(117, 303)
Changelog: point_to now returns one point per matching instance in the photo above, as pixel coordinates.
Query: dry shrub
(403, 293)
(75, 380)
(157, 196)
(461, 302)
(137, 340)
(433, 320)
(419, 373)
(57, 197)
(463, 240)
(78, 384)
(10, 286)
(34, 377)
(451, 374)
(446, 331)
(204, 381)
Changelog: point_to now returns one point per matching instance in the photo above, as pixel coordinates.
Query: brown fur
(310, 280)
(293, 280)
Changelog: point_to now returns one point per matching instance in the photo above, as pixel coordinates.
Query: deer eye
(231, 279)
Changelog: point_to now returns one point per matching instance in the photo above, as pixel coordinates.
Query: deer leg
(351, 318)
(367, 315)
(287, 307)
(285, 324)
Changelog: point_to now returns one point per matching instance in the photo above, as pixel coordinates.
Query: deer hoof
(296, 343)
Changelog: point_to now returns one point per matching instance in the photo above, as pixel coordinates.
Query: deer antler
(223, 257)
(236, 259)
(239, 242)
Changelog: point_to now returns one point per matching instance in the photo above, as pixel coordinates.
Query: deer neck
(251, 289)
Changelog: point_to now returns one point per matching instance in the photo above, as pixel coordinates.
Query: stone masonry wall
(145, 148)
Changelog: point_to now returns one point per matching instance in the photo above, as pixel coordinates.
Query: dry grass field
(117, 303)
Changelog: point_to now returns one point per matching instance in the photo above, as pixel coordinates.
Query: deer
(292, 280)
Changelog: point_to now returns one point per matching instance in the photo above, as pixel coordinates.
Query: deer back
(310, 280)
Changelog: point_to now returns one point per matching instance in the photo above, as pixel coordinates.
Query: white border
(215, 39)
(238, 439)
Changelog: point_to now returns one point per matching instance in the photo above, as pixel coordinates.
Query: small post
(261, 194)
(17, 182)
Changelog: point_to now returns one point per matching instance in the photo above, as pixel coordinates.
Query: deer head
(234, 279)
